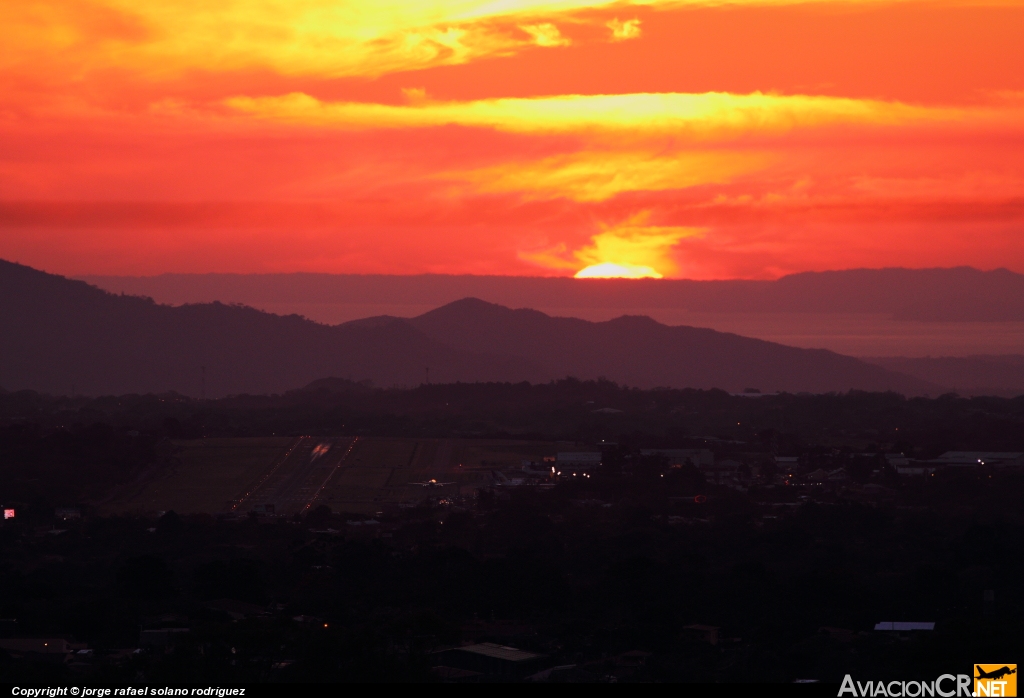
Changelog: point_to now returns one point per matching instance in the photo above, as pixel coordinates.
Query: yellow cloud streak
(635, 142)
(327, 38)
(598, 175)
(701, 116)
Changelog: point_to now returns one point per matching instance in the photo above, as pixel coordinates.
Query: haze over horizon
(862, 312)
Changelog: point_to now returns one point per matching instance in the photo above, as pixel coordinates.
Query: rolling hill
(62, 335)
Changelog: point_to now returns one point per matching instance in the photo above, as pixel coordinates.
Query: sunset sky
(528, 137)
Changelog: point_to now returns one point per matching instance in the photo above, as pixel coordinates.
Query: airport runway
(293, 484)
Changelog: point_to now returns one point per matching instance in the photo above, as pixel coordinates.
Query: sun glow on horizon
(640, 251)
(609, 270)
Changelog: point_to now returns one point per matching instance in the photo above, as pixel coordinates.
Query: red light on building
(8, 514)
(700, 499)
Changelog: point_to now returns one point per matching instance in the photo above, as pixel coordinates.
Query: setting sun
(607, 270)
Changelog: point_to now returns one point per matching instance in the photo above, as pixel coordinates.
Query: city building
(490, 658)
(577, 460)
(700, 457)
(701, 633)
(160, 638)
(55, 649)
(898, 626)
(975, 458)
(726, 472)
(956, 459)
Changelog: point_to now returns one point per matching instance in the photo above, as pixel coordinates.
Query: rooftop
(491, 649)
(979, 455)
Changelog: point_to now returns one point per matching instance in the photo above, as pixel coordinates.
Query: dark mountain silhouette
(970, 375)
(640, 352)
(62, 335)
(958, 294)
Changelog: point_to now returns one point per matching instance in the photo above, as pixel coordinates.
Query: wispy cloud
(596, 175)
(623, 30)
(545, 34)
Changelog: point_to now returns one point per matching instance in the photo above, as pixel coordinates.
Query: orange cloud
(600, 174)
(408, 137)
(545, 34)
(623, 30)
(311, 37)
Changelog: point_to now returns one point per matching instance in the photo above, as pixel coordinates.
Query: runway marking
(273, 470)
(331, 474)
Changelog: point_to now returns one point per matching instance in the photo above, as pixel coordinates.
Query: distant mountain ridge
(953, 294)
(63, 335)
(640, 352)
(969, 375)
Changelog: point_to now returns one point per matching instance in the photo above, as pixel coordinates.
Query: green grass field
(206, 475)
